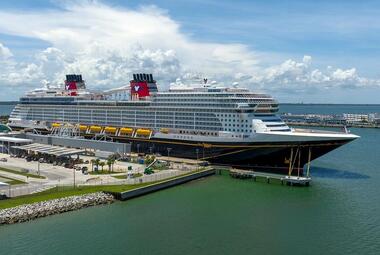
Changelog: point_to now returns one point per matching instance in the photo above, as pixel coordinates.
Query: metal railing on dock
(268, 177)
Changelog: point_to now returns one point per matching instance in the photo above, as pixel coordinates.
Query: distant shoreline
(8, 102)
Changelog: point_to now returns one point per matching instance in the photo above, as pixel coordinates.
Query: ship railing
(304, 130)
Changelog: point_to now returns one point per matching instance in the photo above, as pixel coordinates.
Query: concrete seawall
(162, 185)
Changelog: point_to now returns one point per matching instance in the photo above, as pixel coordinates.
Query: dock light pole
(197, 151)
(38, 167)
(169, 149)
(74, 177)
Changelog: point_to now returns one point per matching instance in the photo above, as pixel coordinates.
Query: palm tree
(102, 164)
(97, 163)
(109, 164)
(93, 162)
(113, 162)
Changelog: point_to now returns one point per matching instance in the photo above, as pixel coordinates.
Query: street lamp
(169, 149)
(197, 151)
(74, 177)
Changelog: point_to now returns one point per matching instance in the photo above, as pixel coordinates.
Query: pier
(269, 177)
(163, 184)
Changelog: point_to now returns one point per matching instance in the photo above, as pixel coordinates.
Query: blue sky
(299, 51)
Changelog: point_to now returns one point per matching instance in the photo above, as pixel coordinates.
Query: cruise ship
(222, 125)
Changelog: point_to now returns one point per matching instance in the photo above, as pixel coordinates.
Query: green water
(338, 214)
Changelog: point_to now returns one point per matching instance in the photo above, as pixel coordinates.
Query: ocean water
(6, 108)
(338, 214)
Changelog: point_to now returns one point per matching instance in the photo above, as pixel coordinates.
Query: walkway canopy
(7, 142)
(57, 151)
(10, 139)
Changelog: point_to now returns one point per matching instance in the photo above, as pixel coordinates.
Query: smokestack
(134, 77)
(150, 77)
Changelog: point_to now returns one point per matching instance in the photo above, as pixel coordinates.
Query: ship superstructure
(225, 125)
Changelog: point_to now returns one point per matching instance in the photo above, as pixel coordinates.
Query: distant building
(354, 118)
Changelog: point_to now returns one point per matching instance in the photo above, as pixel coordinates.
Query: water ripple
(324, 172)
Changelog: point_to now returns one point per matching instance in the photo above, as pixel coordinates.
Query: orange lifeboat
(143, 132)
(110, 130)
(126, 131)
(95, 129)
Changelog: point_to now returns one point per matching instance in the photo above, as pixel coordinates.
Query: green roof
(4, 128)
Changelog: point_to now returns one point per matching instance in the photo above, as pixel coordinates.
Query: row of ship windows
(202, 94)
(192, 132)
(139, 115)
(233, 120)
(220, 100)
(237, 125)
(161, 110)
(118, 121)
(276, 125)
(131, 118)
(199, 104)
(238, 130)
(117, 114)
(89, 111)
(158, 109)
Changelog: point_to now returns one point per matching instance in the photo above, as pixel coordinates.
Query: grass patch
(160, 167)
(11, 181)
(100, 172)
(21, 173)
(125, 176)
(60, 192)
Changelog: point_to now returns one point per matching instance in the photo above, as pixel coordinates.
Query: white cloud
(5, 53)
(107, 44)
(293, 76)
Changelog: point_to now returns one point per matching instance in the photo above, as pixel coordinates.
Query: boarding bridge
(73, 142)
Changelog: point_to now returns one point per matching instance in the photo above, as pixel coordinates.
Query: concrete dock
(268, 177)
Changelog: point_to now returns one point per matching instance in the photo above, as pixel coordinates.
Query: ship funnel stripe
(143, 77)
